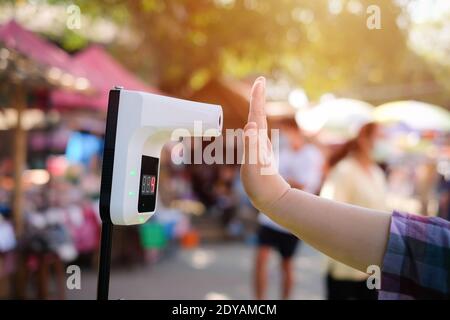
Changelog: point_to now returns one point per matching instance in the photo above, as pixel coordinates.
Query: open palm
(259, 176)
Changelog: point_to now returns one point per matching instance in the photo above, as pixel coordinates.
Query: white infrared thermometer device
(138, 125)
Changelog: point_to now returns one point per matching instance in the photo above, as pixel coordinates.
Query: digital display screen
(148, 185)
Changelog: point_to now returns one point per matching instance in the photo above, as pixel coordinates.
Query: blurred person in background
(425, 185)
(354, 178)
(226, 197)
(444, 198)
(301, 164)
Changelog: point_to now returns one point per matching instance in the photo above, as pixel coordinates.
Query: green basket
(153, 235)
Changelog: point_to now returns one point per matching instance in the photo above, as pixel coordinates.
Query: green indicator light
(131, 193)
(133, 173)
(141, 219)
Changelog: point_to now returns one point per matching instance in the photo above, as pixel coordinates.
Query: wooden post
(19, 158)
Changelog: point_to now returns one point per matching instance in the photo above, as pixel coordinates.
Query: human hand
(259, 174)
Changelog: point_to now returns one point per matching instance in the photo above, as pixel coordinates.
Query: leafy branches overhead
(194, 36)
(322, 45)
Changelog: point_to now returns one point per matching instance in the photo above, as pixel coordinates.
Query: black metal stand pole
(105, 261)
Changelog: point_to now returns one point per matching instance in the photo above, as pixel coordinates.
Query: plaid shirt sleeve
(417, 260)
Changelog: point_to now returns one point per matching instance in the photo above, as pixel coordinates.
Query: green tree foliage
(321, 45)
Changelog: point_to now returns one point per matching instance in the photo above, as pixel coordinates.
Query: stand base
(104, 261)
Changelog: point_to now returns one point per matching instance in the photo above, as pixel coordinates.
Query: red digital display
(148, 185)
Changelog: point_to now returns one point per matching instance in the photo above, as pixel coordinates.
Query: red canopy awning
(104, 73)
(38, 49)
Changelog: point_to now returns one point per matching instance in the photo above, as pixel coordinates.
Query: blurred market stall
(330, 121)
(416, 115)
(104, 73)
(31, 65)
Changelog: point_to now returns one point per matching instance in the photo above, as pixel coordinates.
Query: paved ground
(208, 272)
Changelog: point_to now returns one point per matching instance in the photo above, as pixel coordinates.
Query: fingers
(257, 146)
(255, 131)
(250, 126)
(250, 142)
(257, 113)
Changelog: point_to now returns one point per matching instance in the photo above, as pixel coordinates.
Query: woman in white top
(354, 178)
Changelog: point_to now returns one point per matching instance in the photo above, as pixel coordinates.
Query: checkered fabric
(417, 260)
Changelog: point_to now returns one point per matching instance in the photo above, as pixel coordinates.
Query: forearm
(350, 234)
(295, 184)
(353, 235)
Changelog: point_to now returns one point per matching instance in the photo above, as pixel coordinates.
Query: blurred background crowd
(359, 90)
